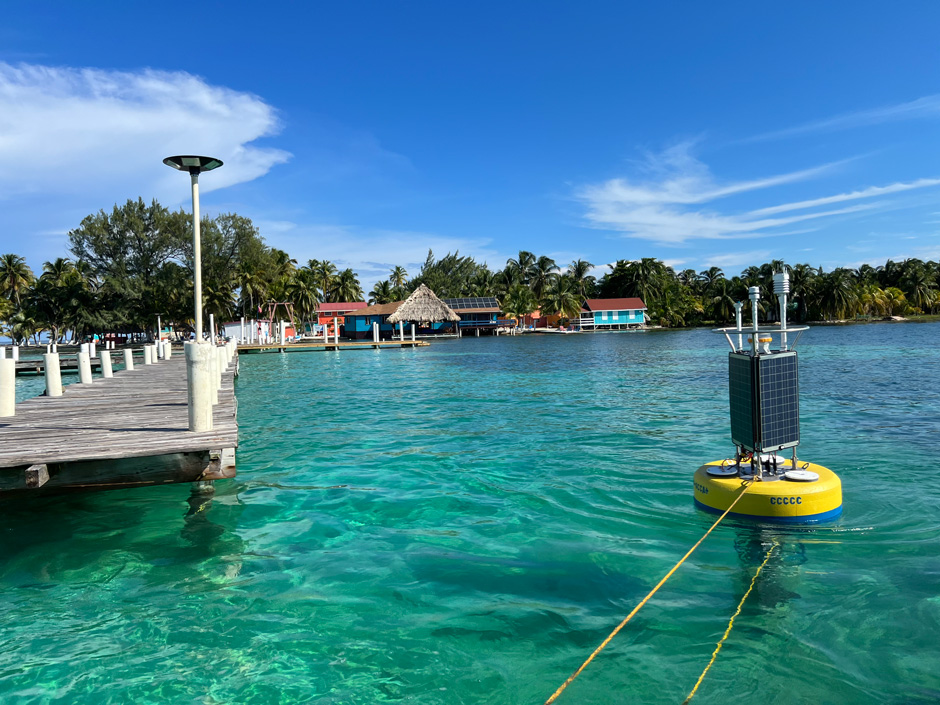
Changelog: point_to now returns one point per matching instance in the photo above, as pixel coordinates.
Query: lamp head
(192, 163)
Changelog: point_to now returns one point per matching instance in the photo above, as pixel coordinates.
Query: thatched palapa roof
(423, 306)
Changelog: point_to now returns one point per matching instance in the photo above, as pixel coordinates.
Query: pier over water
(127, 431)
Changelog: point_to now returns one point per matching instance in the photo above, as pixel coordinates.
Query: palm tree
(541, 274)
(398, 277)
(381, 293)
(722, 302)
(519, 302)
(324, 273)
(578, 271)
(917, 283)
(15, 277)
(304, 297)
(346, 287)
(562, 299)
(836, 294)
(520, 267)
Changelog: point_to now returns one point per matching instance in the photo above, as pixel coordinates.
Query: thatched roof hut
(423, 306)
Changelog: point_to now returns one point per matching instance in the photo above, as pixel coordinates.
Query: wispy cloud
(737, 259)
(667, 202)
(77, 131)
(927, 107)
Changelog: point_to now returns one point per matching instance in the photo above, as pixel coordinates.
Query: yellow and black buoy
(764, 399)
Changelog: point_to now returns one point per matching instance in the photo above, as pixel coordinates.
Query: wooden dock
(127, 431)
(308, 346)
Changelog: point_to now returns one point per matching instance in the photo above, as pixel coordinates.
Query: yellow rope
(636, 609)
(730, 625)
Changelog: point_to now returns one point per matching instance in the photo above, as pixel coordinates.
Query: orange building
(326, 313)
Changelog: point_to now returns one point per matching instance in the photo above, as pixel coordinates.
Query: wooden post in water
(128, 359)
(106, 370)
(84, 368)
(53, 374)
(198, 383)
(7, 387)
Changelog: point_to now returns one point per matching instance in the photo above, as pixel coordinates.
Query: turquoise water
(464, 523)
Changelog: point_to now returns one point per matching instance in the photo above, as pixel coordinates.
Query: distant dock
(127, 431)
(310, 346)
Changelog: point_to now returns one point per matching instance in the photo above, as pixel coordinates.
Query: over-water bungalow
(613, 314)
(418, 312)
(330, 314)
(479, 313)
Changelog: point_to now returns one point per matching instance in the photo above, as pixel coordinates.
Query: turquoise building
(613, 314)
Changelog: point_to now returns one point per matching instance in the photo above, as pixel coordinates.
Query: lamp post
(195, 166)
(200, 383)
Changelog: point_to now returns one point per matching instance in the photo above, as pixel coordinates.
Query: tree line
(128, 266)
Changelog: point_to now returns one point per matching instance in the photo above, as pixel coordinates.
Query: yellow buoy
(811, 494)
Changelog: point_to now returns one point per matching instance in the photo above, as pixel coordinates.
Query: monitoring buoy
(764, 397)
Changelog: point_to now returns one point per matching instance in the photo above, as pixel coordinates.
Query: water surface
(463, 524)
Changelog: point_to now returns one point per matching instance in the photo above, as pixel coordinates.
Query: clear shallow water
(465, 523)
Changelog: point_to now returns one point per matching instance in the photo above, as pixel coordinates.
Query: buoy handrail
(778, 330)
(646, 599)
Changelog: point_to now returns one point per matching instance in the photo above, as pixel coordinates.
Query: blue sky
(703, 134)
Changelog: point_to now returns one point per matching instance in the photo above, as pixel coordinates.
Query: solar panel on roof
(472, 302)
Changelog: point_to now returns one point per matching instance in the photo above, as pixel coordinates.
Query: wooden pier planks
(139, 413)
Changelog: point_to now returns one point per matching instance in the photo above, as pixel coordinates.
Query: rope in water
(636, 609)
(730, 624)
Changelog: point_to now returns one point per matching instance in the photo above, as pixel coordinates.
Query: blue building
(359, 323)
(478, 313)
(613, 314)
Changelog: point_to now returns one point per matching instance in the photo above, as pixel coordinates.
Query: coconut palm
(917, 283)
(836, 295)
(520, 267)
(541, 275)
(578, 271)
(519, 302)
(397, 278)
(324, 274)
(562, 298)
(304, 297)
(721, 303)
(346, 287)
(15, 277)
(381, 293)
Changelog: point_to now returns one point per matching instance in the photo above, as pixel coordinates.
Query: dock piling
(16, 352)
(198, 383)
(128, 359)
(7, 387)
(53, 374)
(106, 370)
(84, 368)
(214, 374)
(148, 355)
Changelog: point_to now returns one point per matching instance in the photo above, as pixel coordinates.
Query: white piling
(241, 333)
(148, 355)
(198, 385)
(213, 376)
(375, 332)
(401, 331)
(7, 387)
(128, 359)
(92, 350)
(212, 328)
(106, 371)
(3, 352)
(412, 332)
(83, 348)
(16, 353)
(53, 375)
(84, 368)
(168, 353)
(55, 347)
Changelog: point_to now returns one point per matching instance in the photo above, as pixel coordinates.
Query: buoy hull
(777, 501)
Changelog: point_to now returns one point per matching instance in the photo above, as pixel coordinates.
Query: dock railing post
(148, 355)
(92, 350)
(401, 331)
(412, 332)
(84, 368)
(53, 374)
(212, 328)
(16, 353)
(213, 376)
(7, 387)
(106, 371)
(198, 383)
(168, 350)
(128, 359)
(375, 332)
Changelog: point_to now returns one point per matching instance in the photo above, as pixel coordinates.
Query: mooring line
(721, 641)
(636, 609)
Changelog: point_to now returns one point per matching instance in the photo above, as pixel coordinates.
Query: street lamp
(195, 166)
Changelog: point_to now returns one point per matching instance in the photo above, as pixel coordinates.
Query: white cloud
(921, 108)
(737, 259)
(668, 205)
(91, 131)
